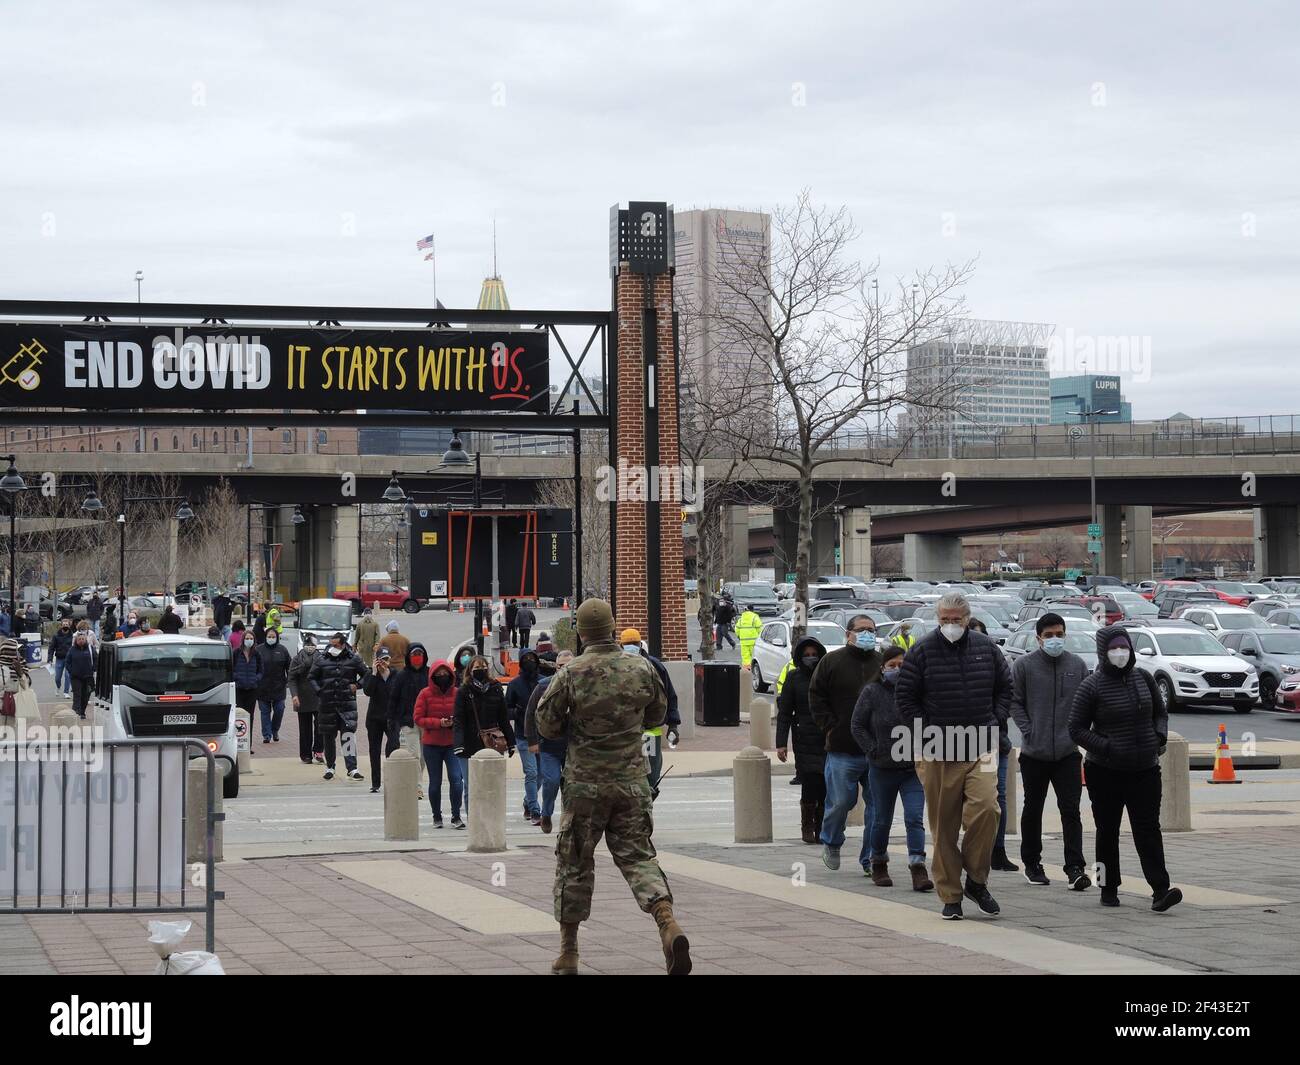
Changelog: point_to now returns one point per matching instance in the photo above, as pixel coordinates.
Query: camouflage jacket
(602, 702)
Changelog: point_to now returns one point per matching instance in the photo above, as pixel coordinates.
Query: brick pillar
(631, 574)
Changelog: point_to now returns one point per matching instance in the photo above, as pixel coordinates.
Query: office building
(1071, 396)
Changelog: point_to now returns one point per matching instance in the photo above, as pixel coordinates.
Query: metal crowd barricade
(28, 843)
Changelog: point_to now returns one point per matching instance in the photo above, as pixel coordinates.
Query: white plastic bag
(165, 937)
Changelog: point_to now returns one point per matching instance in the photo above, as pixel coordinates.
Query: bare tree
(886, 559)
(216, 544)
(1241, 553)
(816, 339)
(1055, 547)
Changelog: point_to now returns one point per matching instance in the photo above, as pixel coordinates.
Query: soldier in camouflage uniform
(602, 702)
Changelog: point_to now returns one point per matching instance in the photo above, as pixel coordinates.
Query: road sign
(789, 578)
(1094, 531)
(1073, 574)
(1094, 547)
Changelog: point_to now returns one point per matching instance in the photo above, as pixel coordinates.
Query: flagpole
(433, 262)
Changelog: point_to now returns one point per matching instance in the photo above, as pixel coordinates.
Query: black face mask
(529, 666)
(480, 676)
(810, 661)
(442, 680)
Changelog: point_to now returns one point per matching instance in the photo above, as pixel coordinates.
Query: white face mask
(952, 632)
(336, 651)
(1118, 657)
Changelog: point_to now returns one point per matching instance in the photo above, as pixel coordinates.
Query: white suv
(1217, 620)
(1193, 667)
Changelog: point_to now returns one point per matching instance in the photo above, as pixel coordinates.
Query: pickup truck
(384, 594)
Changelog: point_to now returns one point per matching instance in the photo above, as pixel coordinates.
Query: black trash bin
(717, 693)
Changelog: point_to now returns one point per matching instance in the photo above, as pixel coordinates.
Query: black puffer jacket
(833, 693)
(332, 680)
(1117, 717)
(875, 719)
(956, 685)
(405, 688)
(794, 714)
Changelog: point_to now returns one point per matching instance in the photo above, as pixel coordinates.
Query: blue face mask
(631, 649)
(866, 641)
(1054, 645)
(890, 676)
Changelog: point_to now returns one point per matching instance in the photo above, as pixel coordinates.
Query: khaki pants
(960, 796)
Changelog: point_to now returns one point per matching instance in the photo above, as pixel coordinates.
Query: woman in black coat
(1119, 720)
(480, 705)
(809, 741)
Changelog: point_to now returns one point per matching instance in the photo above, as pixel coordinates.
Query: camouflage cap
(595, 618)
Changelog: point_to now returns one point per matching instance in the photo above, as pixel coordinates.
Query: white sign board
(438, 589)
(112, 800)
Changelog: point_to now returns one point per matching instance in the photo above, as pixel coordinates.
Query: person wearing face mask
(1119, 720)
(170, 622)
(236, 637)
(892, 774)
(380, 732)
(275, 660)
(310, 744)
(434, 714)
(145, 628)
(60, 645)
(832, 694)
(480, 707)
(793, 715)
(130, 625)
(630, 641)
(335, 677)
(550, 753)
(81, 668)
(1043, 684)
(408, 683)
(518, 692)
(956, 688)
(248, 678)
(1001, 862)
(367, 635)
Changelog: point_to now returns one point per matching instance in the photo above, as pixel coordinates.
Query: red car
(1231, 592)
(386, 595)
(1114, 612)
(1191, 586)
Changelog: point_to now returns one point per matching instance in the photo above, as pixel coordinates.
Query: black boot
(1003, 864)
(807, 819)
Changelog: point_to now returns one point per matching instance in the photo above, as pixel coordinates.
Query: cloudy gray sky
(1119, 169)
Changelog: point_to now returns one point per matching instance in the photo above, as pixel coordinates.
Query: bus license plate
(180, 719)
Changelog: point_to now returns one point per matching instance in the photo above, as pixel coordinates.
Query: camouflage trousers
(621, 812)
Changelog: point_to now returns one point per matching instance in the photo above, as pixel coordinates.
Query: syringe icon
(27, 358)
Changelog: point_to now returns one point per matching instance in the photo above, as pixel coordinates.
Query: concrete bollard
(196, 812)
(1013, 791)
(682, 674)
(751, 774)
(401, 807)
(760, 723)
(244, 740)
(1175, 786)
(487, 802)
(65, 717)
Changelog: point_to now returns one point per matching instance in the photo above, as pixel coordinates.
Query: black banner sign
(114, 367)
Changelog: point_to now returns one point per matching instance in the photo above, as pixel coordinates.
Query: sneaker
(1002, 864)
(275, 738)
(374, 789)
(830, 856)
(355, 774)
(1079, 880)
(1110, 896)
(329, 774)
(1171, 897)
(306, 761)
(979, 894)
(456, 822)
(794, 781)
(266, 739)
(952, 911)
(1035, 875)
(536, 819)
(437, 822)
(319, 759)
(544, 823)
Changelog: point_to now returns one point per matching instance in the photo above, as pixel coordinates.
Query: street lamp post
(139, 279)
(251, 506)
(12, 484)
(1091, 417)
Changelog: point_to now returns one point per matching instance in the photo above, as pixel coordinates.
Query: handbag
(24, 699)
(491, 738)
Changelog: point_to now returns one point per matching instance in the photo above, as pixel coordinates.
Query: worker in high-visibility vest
(904, 637)
(747, 629)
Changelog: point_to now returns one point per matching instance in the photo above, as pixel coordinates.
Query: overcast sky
(1118, 168)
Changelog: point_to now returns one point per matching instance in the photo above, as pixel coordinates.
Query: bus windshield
(155, 669)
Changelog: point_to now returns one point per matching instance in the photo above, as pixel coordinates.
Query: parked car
(1233, 592)
(1100, 605)
(1287, 618)
(387, 596)
(1192, 667)
(1092, 582)
(1170, 599)
(1220, 619)
(1159, 586)
(1036, 592)
(898, 609)
(998, 631)
(1031, 612)
(820, 593)
(756, 596)
(1025, 641)
(1276, 655)
(1134, 605)
(841, 614)
(772, 649)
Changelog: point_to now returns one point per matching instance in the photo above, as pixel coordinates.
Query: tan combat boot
(677, 950)
(567, 963)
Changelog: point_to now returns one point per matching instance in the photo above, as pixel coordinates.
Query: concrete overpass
(952, 496)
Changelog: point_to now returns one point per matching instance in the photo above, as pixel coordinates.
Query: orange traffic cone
(566, 603)
(462, 606)
(1223, 770)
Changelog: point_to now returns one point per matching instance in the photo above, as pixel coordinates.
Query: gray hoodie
(1042, 692)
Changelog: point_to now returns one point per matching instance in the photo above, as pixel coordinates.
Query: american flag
(428, 257)
(424, 242)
